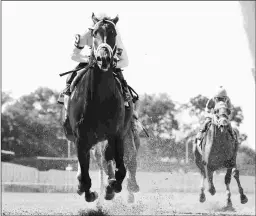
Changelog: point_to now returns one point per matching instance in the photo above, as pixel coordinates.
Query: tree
(6, 125)
(157, 113)
(34, 120)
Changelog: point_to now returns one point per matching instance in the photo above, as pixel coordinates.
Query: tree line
(31, 126)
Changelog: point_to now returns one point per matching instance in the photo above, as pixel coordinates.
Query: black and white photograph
(128, 108)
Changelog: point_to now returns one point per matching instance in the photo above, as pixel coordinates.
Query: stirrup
(61, 99)
(126, 104)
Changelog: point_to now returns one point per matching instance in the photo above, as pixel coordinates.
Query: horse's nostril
(99, 58)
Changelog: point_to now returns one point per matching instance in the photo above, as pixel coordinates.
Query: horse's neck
(217, 135)
(102, 84)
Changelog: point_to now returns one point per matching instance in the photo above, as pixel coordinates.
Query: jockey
(86, 39)
(220, 95)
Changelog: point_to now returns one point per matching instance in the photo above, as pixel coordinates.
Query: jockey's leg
(126, 93)
(203, 129)
(69, 80)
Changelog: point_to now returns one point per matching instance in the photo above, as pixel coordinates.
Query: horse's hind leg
(85, 180)
(227, 183)
(131, 144)
(243, 197)
(109, 157)
(131, 181)
(99, 159)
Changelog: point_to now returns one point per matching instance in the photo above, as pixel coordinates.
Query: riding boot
(69, 80)
(66, 91)
(126, 94)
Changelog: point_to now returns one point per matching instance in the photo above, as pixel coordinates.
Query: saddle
(82, 71)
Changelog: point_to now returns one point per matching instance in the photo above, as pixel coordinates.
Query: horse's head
(104, 41)
(222, 113)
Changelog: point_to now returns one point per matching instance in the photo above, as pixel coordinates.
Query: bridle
(111, 50)
(221, 115)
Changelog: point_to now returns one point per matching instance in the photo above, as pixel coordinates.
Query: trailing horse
(96, 111)
(219, 150)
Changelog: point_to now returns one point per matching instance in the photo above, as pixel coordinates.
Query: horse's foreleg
(80, 190)
(243, 197)
(85, 180)
(227, 183)
(202, 168)
(202, 186)
(209, 175)
(120, 172)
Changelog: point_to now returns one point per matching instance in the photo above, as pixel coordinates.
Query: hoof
(244, 199)
(229, 204)
(130, 198)
(117, 187)
(110, 194)
(132, 187)
(212, 191)
(202, 198)
(91, 196)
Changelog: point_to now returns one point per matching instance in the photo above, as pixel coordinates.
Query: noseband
(104, 44)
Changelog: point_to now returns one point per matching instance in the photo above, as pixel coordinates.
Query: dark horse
(96, 110)
(131, 147)
(219, 150)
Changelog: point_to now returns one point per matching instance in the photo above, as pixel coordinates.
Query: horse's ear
(115, 20)
(94, 18)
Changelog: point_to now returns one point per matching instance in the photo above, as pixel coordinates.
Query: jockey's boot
(204, 127)
(69, 80)
(66, 91)
(126, 93)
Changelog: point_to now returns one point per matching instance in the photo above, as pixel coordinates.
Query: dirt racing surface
(160, 194)
(145, 204)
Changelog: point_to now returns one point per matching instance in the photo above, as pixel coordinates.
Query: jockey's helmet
(220, 92)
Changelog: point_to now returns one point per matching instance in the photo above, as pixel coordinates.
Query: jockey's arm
(230, 106)
(121, 52)
(80, 42)
(209, 106)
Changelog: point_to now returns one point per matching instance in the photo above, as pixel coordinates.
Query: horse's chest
(221, 151)
(103, 119)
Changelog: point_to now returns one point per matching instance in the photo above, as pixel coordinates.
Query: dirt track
(146, 204)
(160, 194)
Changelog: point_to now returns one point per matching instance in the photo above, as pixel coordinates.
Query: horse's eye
(113, 32)
(94, 33)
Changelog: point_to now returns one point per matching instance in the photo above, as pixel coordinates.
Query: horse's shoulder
(81, 74)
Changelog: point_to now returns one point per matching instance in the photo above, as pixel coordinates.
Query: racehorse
(96, 110)
(131, 147)
(219, 150)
